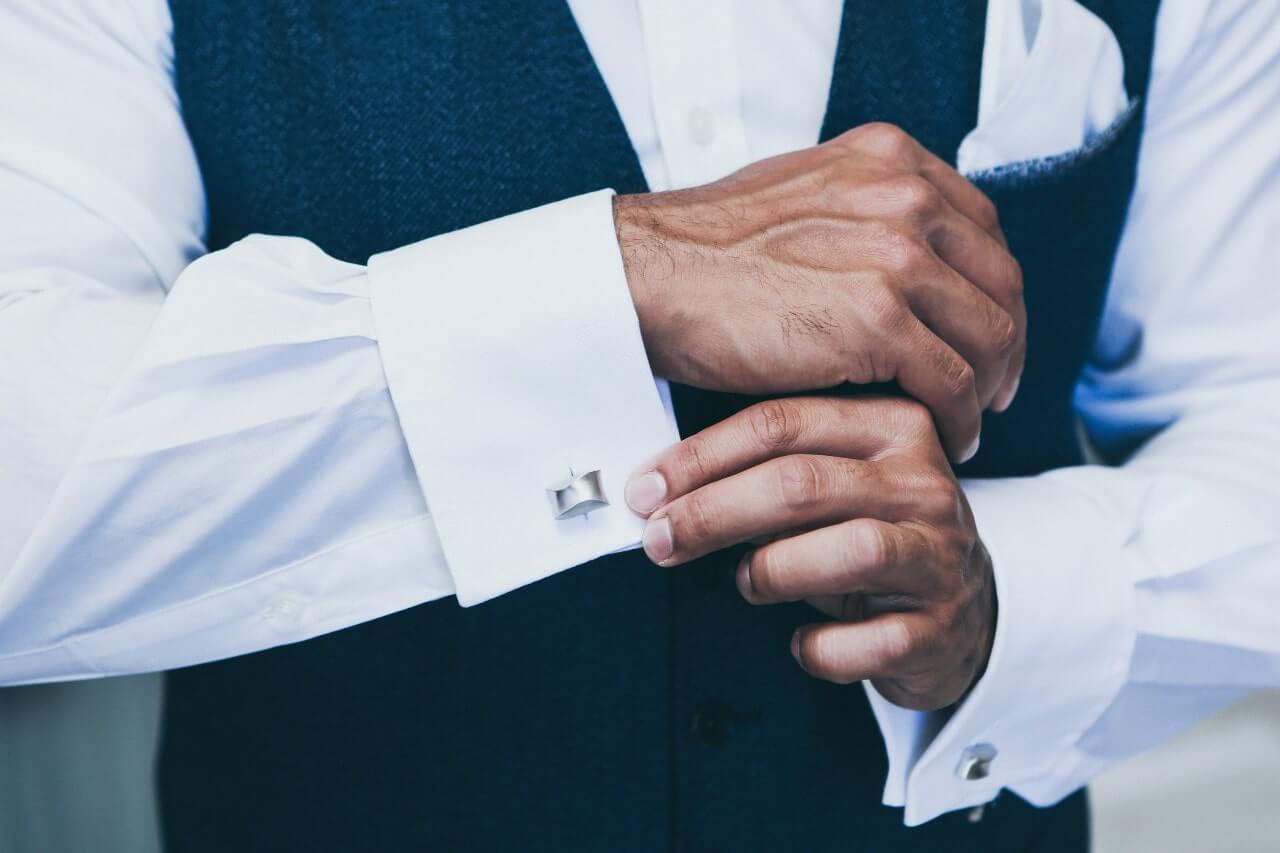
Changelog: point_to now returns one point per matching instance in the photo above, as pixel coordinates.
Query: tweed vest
(614, 707)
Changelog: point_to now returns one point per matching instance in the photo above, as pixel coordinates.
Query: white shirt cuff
(513, 355)
(1064, 639)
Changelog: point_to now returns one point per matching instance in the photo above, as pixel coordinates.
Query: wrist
(633, 223)
(653, 257)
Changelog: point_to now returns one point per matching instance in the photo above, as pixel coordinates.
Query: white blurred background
(75, 777)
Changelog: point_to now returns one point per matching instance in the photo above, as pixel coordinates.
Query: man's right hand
(864, 259)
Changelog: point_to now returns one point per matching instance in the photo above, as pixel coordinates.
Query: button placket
(692, 57)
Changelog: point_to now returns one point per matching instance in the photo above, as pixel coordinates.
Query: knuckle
(1004, 334)
(1006, 282)
(985, 210)
(940, 483)
(868, 546)
(1013, 279)
(802, 483)
(885, 139)
(960, 380)
(884, 306)
(915, 195)
(776, 425)
(694, 462)
(910, 415)
(936, 492)
(910, 419)
(901, 253)
(695, 520)
(869, 364)
(897, 642)
(918, 692)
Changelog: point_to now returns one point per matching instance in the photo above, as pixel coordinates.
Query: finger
(829, 426)
(969, 321)
(935, 374)
(845, 652)
(904, 151)
(786, 493)
(966, 248)
(868, 555)
(960, 192)
(1009, 390)
(972, 253)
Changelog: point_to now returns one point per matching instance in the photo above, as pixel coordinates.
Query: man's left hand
(855, 509)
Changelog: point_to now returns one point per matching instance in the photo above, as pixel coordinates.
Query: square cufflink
(577, 495)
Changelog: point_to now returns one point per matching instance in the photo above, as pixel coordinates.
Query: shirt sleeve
(206, 455)
(1137, 599)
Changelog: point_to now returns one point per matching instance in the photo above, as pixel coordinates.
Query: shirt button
(975, 762)
(285, 610)
(702, 126)
(710, 722)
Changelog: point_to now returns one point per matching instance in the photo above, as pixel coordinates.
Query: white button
(975, 762)
(285, 610)
(702, 126)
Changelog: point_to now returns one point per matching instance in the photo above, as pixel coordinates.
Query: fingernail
(795, 648)
(743, 579)
(657, 540)
(1007, 399)
(645, 493)
(972, 451)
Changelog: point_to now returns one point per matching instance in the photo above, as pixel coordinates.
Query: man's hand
(865, 259)
(861, 517)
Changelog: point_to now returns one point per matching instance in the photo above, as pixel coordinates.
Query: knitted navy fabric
(614, 707)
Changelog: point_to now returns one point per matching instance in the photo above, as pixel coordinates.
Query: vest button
(710, 722)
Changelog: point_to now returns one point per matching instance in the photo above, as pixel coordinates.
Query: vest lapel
(542, 52)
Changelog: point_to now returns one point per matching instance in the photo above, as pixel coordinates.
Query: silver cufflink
(975, 762)
(577, 495)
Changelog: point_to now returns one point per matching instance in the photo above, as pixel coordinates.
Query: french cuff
(514, 359)
(1064, 639)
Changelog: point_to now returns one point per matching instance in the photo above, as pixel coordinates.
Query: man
(212, 458)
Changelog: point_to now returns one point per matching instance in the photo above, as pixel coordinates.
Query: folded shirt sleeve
(526, 368)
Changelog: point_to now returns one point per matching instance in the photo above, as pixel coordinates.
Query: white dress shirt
(201, 458)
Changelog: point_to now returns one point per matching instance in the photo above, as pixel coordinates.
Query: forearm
(195, 476)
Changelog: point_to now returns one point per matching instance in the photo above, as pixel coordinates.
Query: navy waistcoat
(614, 707)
